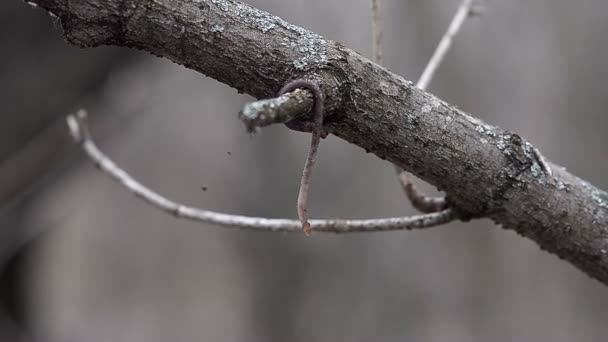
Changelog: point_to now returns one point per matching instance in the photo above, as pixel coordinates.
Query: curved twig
(419, 200)
(82, 136)
(317, 131)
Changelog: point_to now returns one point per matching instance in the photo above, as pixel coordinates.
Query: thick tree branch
(485, 171)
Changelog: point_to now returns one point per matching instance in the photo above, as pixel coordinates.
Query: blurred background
(83, 260)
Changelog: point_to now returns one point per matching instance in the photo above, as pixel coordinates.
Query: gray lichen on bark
(310, 48)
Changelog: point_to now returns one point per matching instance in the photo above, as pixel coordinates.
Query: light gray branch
(81, 135)
(420, 200)
(463, 12)
(484, 170)
(377, 32)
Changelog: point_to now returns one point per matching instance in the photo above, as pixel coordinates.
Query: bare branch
(377, 32)
(80, 134)
(420, 200)
(463, 12)
(284, 108)
(486, 171)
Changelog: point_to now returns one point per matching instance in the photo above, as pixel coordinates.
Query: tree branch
(81, 135)
(463, 12)
(485, 171)
(419, 200)
(377, 32)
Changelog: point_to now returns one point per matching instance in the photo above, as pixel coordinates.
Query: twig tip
(77, 126)
(74, 127)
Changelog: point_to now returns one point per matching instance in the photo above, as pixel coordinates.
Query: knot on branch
(522, 156)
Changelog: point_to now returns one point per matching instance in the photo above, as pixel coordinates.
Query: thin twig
(317, 131)
(419, 200)
(80, 133)
(463, 12)
(302, 203)
(377, 32)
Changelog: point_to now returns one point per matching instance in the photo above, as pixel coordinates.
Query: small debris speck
(204, 188)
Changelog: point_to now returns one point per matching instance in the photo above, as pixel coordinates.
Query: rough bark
(485, 171)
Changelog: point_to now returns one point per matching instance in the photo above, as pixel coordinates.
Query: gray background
(109, 268)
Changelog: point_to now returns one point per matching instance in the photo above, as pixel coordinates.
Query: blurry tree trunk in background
(35, 93)
(42, 78)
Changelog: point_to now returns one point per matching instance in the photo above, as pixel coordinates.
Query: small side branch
(280, 109)
(420, 200)
(81, 135)
(464, 11)
(377, 32)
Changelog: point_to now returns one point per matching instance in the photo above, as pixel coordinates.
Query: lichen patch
(310, 48)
